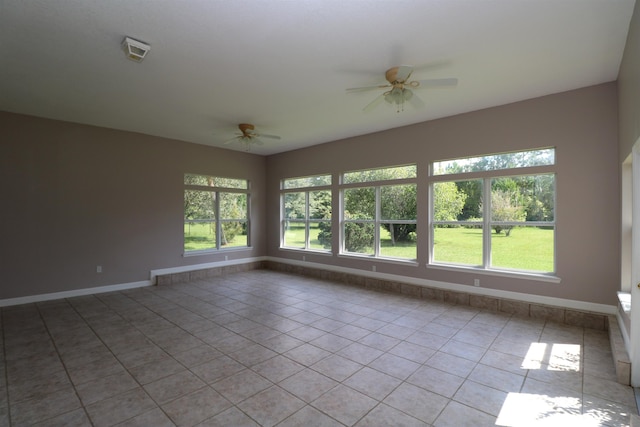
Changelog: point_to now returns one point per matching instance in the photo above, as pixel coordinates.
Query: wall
(629, 88)
(581, 124)
(74, 197)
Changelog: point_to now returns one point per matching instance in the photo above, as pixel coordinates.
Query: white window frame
(218, 220)
(377, 221)
(487, 223)
(305, 186)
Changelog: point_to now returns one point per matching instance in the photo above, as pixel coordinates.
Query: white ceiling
(284, 65)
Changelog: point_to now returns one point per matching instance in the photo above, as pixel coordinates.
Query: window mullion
(306, 220)
(486, 226)
(376, 222)
(216, 207)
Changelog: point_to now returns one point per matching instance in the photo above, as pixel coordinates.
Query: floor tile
(459, 415)
(196, 407)
(173, 386)
(271, 406)
(336, 367)
(309, 417)
(417, 402)
(242, 385)
(373, 383)
(308, 385)
(385, 415)
(344, 404)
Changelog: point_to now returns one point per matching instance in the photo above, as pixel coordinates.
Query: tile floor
(266, 348)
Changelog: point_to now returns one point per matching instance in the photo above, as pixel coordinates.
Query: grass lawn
(527, 248)
(203, 236)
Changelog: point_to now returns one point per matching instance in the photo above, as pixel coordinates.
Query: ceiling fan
(399, 88)
(249, 136)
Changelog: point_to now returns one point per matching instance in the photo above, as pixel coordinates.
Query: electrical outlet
(373, 268)
(304, 258)
(226, 257)
(98, 269)
(476, 282)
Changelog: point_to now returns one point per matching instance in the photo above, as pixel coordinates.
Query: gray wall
(629, 88)
(74, 197)
(581, 124)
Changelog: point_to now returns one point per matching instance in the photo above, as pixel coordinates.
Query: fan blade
(257, 141)
(264, 135)
(229, 141)
(438, 82)
(404, 72)
(373, 104)
(365, 88)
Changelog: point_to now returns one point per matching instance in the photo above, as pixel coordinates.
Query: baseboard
(204, 266)
(73, 293)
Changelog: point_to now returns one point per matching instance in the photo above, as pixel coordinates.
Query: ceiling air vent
(134, 49)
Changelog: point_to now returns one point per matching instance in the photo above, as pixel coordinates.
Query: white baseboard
(73, 293)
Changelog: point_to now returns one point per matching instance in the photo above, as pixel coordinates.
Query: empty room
(319, 213)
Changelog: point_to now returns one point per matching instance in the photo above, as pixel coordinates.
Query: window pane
(519, 159)
(457, 245)
(294, 206)
(320, 235)
(524, 248)
(320, 204)
(199, 235)
(370, 175)
(398, 202)
(233, 206)
(360, 203)
(294, 235)
(523, 198)
(214, 181)
(457, 201)
(234, 233)
(359, 237)
(398, 241)
(310, 181)
(199, 204)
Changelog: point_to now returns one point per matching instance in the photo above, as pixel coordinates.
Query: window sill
(540, 277)
(399, 261)
(305, 251)
(215, 251)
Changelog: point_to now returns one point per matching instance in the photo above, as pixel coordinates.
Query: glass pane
(371, 175)
(294, 206)
(457, 200)
(320, 204)
(398, 202)
(320, 235)
(398, 241)
(524, 248)
(360, 203)
(294, 236)
(359, 237)
(310, 181)
(233, 206)
(199, 205)
(523, 198)
(199, 235)
(214, 181)
(234, 233)
(457, 245)
(521, 159)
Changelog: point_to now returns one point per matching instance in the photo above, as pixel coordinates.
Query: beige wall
(581, 124)
(629, 88)
(74, 197)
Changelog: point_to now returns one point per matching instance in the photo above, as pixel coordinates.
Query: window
(379, 213)
(306, 213)
(501, 218)
(216, 213)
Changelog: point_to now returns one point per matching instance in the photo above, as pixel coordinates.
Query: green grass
(527, 248)
(199, 237)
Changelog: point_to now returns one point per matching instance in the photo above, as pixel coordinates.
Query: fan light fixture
(135, 50)
(398, 95)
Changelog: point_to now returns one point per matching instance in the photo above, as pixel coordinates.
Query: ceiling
(284, 65)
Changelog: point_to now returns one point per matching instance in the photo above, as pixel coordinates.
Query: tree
(505, 206)
(448, 201)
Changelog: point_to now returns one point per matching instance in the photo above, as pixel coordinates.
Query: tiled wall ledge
(619, 351)
(562, 315)
(189, 276)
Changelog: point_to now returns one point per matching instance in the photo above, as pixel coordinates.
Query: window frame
(297, 185)
(220, 190)
(487, 223)
(377, 220)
